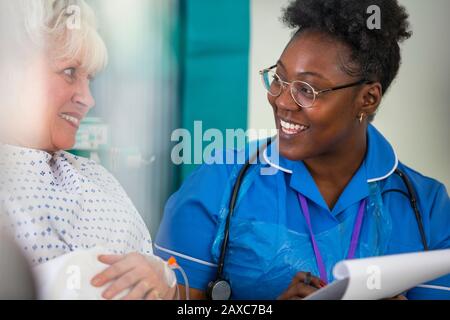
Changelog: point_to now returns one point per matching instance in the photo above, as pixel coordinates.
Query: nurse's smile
(290, 129)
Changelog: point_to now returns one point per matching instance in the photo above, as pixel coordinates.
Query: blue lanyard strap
(353, 243)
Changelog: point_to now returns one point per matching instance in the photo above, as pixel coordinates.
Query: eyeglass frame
(316, 93)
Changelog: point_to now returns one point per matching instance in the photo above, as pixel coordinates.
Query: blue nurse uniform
(269, 237)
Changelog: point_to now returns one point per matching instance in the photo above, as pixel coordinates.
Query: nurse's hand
(298, 289)
(143, 277)
(399, 297)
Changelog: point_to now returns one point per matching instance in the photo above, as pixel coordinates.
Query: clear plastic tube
(172, 262)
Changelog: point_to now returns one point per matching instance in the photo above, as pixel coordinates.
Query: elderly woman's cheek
(30, 115)
(62, 133)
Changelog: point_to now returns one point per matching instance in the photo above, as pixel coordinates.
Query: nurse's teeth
(74, 120)
(291, 128)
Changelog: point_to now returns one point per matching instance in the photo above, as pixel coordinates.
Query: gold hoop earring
(361, 117)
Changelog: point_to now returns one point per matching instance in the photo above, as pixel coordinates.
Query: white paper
(68, 277)
(384, 277)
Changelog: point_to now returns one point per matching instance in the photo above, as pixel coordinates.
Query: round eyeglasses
(302, 92)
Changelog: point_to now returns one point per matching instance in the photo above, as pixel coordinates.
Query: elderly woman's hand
(302, 286)
(144, 277)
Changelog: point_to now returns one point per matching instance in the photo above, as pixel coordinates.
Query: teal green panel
(215, 64)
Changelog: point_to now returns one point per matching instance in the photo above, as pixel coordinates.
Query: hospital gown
(58, 203)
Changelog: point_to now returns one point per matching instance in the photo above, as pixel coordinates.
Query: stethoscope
(220, 289)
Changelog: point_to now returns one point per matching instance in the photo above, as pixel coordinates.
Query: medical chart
(384, 277)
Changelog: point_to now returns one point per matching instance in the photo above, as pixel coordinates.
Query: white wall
(138, 86)
(415, 113)
(268, 39)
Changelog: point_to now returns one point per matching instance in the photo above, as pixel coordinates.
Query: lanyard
(353, 242)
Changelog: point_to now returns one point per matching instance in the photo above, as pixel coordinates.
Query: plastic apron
(262, 258)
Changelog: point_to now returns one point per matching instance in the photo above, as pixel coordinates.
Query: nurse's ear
(369, 99)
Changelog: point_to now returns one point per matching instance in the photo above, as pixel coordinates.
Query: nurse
(335, 193)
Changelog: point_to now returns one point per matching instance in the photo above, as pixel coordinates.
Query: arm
(141, 277)
(189, 226)
(439, 238)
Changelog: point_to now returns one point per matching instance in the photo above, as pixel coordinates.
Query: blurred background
(136, 100)
(173, 62)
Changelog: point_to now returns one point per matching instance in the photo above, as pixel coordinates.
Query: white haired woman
(58, 203)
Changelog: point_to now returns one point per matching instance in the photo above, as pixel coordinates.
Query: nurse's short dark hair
(375, 52)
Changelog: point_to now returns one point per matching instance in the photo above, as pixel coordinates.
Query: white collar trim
(389, 173)
(266, 158)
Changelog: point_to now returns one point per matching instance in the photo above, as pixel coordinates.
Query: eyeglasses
(302, 92)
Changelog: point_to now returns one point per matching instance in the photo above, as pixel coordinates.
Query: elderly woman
(338, 190)
(58, 203)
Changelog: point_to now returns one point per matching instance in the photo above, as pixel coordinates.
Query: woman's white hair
(67, 28)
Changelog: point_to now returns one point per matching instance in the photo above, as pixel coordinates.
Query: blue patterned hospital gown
(58, 203)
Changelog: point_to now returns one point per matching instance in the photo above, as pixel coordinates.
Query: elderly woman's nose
(83, 95)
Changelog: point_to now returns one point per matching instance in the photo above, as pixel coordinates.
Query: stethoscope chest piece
(219, 290)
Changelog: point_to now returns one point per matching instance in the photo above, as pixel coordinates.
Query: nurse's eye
(304, 89)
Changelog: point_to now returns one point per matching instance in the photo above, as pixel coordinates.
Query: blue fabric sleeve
(190, 223)
(439, 226)
(438, 289)
(440, 220)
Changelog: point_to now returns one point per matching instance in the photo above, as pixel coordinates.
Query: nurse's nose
(285, 101)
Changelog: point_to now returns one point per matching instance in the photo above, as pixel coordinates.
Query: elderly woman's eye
(70, 72)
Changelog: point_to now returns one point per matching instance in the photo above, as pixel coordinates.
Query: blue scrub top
(192, 219)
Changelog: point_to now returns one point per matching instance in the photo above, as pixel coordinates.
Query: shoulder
(207, 190)
(91, 174)
(431, 195)
(203, 188)
(225, 161)
(218, 169)
(425, 187)
(434, 203)
(218, 172)
(77, 161)
(86, 167)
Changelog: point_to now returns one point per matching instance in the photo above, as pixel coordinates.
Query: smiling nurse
(337, 193)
